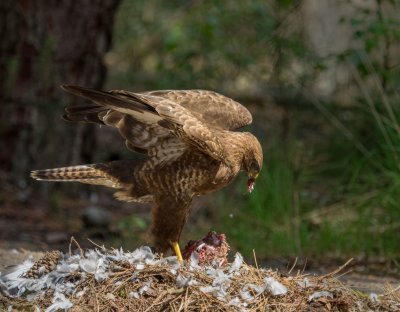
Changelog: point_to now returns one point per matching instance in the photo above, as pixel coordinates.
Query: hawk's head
(252, 160)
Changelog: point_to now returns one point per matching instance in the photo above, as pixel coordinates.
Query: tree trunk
(46, 43)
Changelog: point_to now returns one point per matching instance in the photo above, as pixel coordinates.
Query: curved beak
(251, 181)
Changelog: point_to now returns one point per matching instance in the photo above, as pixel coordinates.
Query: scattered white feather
(94, 262)
(274, 287)
(183, 282)
(305, 283)
(16, 271)
(219, 285)
(80, 293)
(134, 295)
(236, 264)
(144, 289)
(194, 261)
(247, 296)
(373, 297)
(236, 302)
(100, 263)
(319, 294)
(172, 263)
(270, 284)
(59, 303)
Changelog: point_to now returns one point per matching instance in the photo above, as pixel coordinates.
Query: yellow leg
(177, 250)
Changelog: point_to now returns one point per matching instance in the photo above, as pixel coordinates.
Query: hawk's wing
(210, 107)
(135, 120)
(153, 121)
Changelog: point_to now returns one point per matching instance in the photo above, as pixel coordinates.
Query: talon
(177, 250)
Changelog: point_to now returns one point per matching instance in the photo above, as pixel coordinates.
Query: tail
(99, 174)
(118, 174)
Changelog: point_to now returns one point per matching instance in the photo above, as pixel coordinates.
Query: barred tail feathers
(91, 174)
(118, 175)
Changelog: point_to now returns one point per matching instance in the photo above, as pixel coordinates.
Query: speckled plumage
(190, 145)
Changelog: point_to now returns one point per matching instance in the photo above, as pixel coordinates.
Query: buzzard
(190, 143)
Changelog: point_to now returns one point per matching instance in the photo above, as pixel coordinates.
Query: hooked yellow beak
(251, 181)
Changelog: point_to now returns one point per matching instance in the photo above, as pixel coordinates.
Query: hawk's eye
(254, 166)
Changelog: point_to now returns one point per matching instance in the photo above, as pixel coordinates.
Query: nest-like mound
(114, 280)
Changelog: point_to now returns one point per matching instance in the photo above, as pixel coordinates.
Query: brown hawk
(190, 145)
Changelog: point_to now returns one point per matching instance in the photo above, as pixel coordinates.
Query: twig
(255, 259)
(156, 301)
(391, 291)
(73, 240)
(95, 297)
(97, 245)
(304, 266)
(338, 269)
(345, 273)
(186, 299)
(294, 264)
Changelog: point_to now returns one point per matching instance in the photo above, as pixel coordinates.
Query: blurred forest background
(320, 77)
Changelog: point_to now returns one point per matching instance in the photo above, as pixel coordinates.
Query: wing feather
(190, 129)
(158, 122)
(210, 107)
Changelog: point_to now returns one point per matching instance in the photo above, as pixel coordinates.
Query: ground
(364, 282)
(38, 226)
(110, 280)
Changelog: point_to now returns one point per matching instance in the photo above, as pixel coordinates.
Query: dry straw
(113, 280)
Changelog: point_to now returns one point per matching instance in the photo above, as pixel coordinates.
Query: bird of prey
(190, 143)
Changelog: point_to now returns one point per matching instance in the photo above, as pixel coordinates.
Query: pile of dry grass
(162, 285)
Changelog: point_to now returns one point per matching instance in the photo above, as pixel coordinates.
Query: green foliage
(361, 216)
(132, 222)
(266, 219)
(345, 199)
(201, 44)
(374, 181)
(378, 34)
(370, 178)
(130, 229)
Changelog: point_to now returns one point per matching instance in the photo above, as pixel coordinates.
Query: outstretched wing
(146, 121)
(210, 107)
